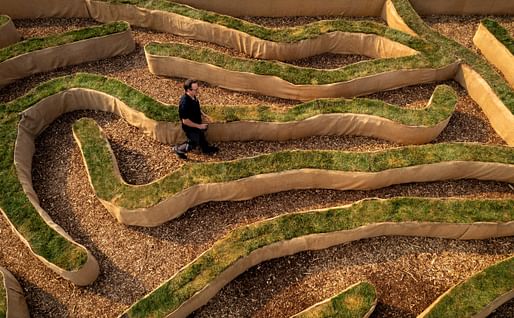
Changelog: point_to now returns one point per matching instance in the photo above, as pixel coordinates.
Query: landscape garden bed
(12, 301)
(8, 33)
(245, 245)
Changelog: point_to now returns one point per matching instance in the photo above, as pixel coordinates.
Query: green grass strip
(443, 104)
(39, 43)
(471, 296)
(109, 187)
(3, 20)
(285, 35)
(500, 33)
(455, 50)
(246, 239)
(353, 302)
(288, 72)
(3, 297)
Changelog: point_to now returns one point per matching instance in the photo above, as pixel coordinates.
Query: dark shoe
(210, 150)
(180, 154)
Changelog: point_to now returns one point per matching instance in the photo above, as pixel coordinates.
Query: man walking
(194, 122)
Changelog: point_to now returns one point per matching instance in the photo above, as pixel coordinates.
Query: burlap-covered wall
(78, 52)
(275, 86)
(499, 115)
(30, 9)
(16, 305)
(8, 34)
(251, 187)
(279, 8)
(334, 42)
(495, 52)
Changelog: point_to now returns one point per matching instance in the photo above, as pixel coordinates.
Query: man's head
(191, 87)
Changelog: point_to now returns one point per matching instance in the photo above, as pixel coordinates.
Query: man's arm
(206, 117)
(188, 122)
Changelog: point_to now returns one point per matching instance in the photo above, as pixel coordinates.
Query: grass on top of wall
(109, 186)
(39, 43)
(293, 74)
(355, 301)
(244, 240)
(500, 33)
(443, 104)
(472, 295)
(3, 19)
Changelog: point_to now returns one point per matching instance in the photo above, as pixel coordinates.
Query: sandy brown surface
(409, 272)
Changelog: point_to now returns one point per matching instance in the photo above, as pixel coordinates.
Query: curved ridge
(12, 301)
(283, 80)
(477, 296)
(247, 246)
(167, 198)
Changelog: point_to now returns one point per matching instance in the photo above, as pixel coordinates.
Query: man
(192, 118)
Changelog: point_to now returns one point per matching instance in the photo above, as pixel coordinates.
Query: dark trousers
(195, 138)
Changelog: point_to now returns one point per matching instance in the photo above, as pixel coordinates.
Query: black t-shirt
(189, 108)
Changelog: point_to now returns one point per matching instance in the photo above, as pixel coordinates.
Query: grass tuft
(355, 301)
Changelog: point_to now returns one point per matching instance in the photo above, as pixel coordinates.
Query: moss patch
(471, 296)
(500, 33)
(353, 302)
(244, 240)
(108, 185)
(40, 43)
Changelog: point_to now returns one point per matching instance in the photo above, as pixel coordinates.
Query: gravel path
(408, 272)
